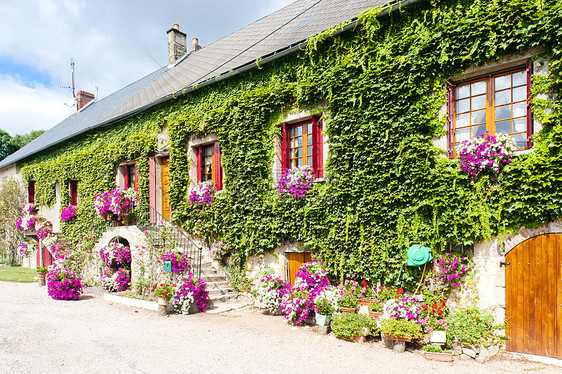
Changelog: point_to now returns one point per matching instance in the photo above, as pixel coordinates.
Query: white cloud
(113, 43)
(24, 108)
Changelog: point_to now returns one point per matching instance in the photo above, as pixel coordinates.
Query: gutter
(221, 76)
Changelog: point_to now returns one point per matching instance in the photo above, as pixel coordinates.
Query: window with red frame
(497, 104)
(131, 177)
(73, 190)
(31, 192)
(303, 145)
(209, 164)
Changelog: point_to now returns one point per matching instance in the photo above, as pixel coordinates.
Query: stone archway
(513, 240)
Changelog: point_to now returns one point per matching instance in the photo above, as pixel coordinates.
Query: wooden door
(296, 260)
(165, 181)
(534, 297)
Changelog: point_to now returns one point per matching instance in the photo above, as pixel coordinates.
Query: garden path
(41, 335)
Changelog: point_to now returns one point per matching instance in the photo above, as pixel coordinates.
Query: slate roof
(287, 27)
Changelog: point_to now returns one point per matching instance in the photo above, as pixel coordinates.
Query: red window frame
(31, 192)
(73, 191)
(491, 106)
(317, 145)
(131, 177)
(216, 167)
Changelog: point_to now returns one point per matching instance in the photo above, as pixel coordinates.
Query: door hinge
(503, 263)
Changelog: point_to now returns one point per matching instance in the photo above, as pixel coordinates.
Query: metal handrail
(148, 218)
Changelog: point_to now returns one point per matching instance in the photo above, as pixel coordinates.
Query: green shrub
(349, 301)
(349, 325)
(401, 328)
(432, 348)
(470, 326)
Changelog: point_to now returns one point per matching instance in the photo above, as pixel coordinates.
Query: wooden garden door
(296, 260)
(165, 174)
(534, 296)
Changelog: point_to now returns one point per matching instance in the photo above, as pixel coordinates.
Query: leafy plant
(41, 269)
(347, 325)
(164, 290)
(401, 328)
(349, 301)
(324, 306)
(432, 348)
(470, 326)
(376, 307)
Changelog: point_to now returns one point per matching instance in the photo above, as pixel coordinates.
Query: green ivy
(387, 186)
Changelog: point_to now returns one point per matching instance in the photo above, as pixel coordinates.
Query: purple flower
(68, 213)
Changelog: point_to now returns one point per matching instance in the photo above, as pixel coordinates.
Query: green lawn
(17, 274)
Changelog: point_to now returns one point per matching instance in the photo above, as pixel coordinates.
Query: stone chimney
(83, 98)
(177, 45)
(194, 45)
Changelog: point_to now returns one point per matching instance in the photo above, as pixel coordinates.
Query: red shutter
(450, 126)
(217, 168)
(199, 163)
(318, 148)
(136, 178)
(285, 158)
(31, 192)
(529, 113)
(73, 186)
(126, 176)
(152, 188)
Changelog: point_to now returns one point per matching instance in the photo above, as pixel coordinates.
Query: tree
(12, 198)
(9, 144)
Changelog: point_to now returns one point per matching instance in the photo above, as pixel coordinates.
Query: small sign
(168, 266)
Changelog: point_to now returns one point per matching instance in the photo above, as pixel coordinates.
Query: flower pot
(347, 310)
(375, 315)
(323, 320)
(439, 337)
(41, 278)
(438, 356)
(357, 339)
(366, 302)
(162, 302)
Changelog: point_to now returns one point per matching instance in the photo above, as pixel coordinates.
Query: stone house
(376, 103)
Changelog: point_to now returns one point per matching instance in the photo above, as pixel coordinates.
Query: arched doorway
(534, 296)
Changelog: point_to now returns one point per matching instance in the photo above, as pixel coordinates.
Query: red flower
(424, 307)
(174, 285)
(364, 283)
(440, 311)
(164, 294)
(432, 312)
(434, 306)
(443, 302)
(400, 291)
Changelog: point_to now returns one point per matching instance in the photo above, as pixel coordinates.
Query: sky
(112, 42)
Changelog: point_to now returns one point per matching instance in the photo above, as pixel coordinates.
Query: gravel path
(41, 335)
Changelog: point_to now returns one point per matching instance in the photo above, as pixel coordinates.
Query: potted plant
(348, 303)
(324, 310)
(397, 332)
(376, 310)
(353, 327)
(434, 352)
(41, 274)
(164, 293)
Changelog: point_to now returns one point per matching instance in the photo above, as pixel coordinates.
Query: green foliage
(401, 328)
(387, 186)
(12, 198)
(349, 325)
(9, 144)
(470, 326)
(349, 301)
(432, 348)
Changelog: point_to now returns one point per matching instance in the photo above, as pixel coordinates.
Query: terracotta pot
(347, 310)
(366, 302)
(438, 356)
(357, 339)
(375, 315)
(398, 338)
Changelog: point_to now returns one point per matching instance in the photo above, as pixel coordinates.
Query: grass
(17, 274)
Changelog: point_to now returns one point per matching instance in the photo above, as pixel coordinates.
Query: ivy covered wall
(387, 186)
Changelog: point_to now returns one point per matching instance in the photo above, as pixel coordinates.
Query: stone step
(213, 278)
(219, 291)
(223, 297)
(220, 285)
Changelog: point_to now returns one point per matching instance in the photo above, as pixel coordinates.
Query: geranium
(485, 155)
(451, 269)
(189, 291)
(115, 205)
(68, 213)
(25, 249)
(115, 254)
(296, 181)
(180, 263)
(117, 281)
(202, 193)
(64, 284)
(270, 291)
(164, 290)
(401, 308)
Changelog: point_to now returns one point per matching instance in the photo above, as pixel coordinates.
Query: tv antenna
(73, 87)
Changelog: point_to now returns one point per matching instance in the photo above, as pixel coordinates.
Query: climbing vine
(382, 83)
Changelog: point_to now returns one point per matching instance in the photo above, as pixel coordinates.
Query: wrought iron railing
(164, 233)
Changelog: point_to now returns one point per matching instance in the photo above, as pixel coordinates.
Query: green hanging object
(418, 255)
